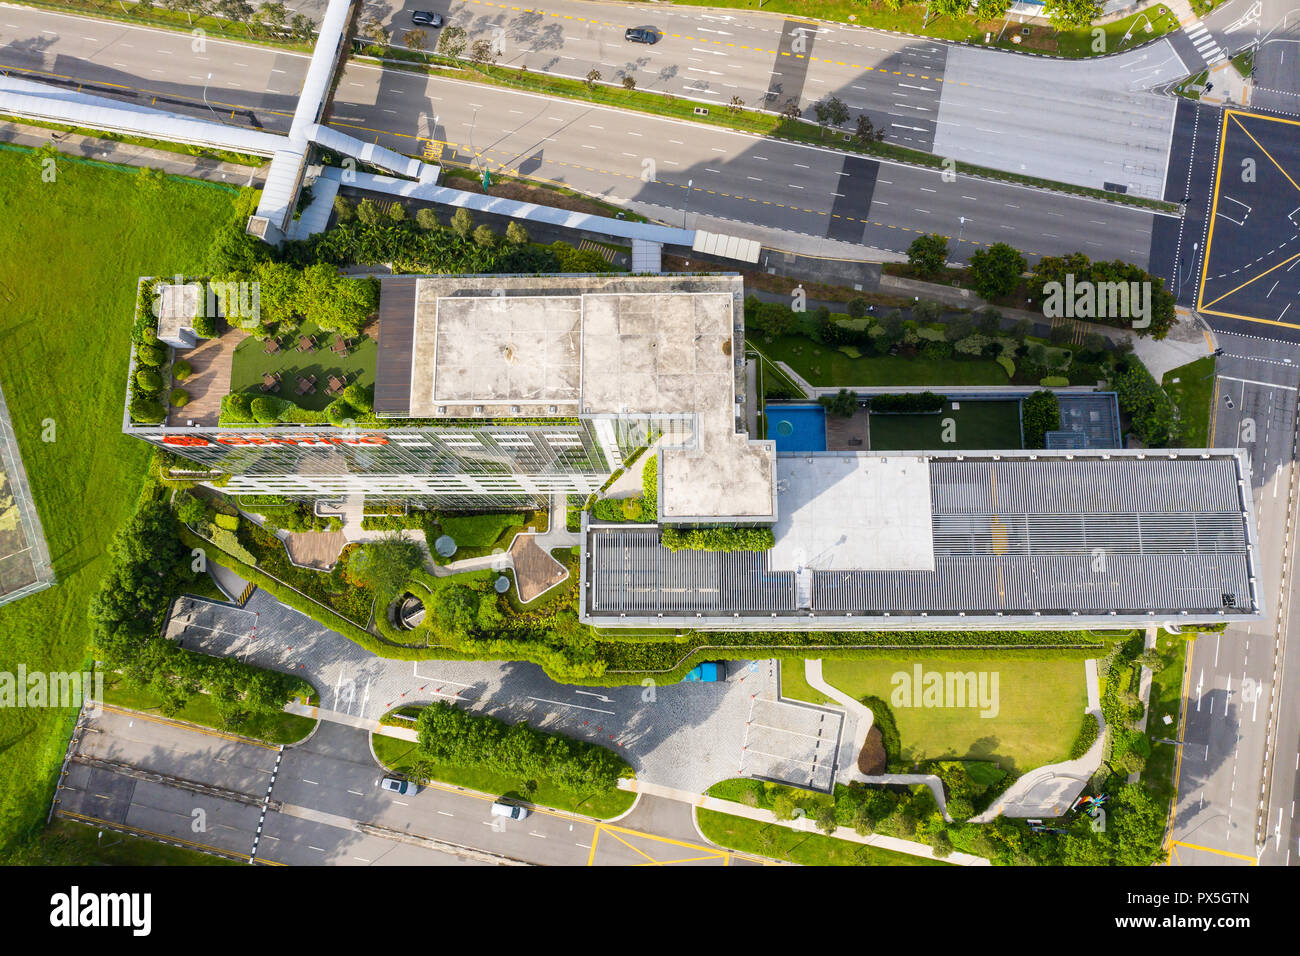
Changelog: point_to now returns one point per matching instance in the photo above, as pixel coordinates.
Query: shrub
(339, 411)
(925, 310)
(343, 209)
(1054, 381)
(516, 234)
(883, 719)
(717, 539)
(181, 370)
(1008, 365)
(631, 508)
(857, 307)
(205, 326)
(149, 381)
(358, 396)
(179, 398)
(462, 222)
(843, 404)
(229, 522)
(484, 236)
(150, 356)
(1040, 413)
(426, 218)
(268, 409)
(236, 408)
(927, 255)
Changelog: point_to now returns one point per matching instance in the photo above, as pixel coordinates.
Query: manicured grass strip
(1039, 709)
(72, 842)
(279, 728)
(1192, 393)
(1166, 701)
(808, 849)
(68, 289)
(399, 755)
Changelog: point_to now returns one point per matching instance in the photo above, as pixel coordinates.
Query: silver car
(407, 788)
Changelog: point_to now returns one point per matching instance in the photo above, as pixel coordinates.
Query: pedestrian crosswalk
(1205, 45)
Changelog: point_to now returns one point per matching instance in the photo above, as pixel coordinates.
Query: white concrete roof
(853, 513)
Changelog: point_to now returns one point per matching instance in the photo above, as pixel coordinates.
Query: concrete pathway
(1050, 790)
(801, 824)
(862, 719)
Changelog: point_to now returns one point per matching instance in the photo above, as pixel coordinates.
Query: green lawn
(67, 294)
(1040, 709)
(398, 754)
(71, 843)
(979, 425)
(1192, 393)
(826, 365)
(794, 686)
(808, 849)
(273, 728)
(251, 362)
(1166, 700)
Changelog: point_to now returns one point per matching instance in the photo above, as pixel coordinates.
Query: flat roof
(853, 512)
(1018, 538)
(565, 346)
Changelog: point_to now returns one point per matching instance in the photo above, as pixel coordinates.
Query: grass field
(809, 849)
(67, 294)
(1040, 709)
(1192, 393)
(398, 754)
(273, 728)
(796, 687)
(251, 362)
(82, 844)
(824, 365)
(978, 425)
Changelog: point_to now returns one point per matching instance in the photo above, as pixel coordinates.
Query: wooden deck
(210, 381)
(396, 338)
(848, 434)
(316, 549)
(535, 570)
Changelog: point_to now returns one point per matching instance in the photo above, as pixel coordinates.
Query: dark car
(426, 18)
(641, 35)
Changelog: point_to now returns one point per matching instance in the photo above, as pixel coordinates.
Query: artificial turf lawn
(826, 365)
(1040, 708)
(251, 362)
(68, 270)
(978, 425)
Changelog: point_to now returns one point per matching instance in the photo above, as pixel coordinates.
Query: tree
(396, 212)
(791, 111)
(462, 222)
(593, 77)
(783, 806)
(415, 39)
(237, 11)
(866, 133)
(516, 234)
(485, 237)
(629, 82)
(385, 564)
(452, 42)
(949, 8)
(927, 255)
(996, 271)
(426, 218)
(831, 112)
(302, 27)
(273, 15)
(344, 211)
(1072, 13)
(736, 105)
(375, 30)
(991, 9)
(988, 322)
(927, 310)
(368, 212)
(483, 53)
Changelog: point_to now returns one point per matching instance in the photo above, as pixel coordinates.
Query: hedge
(149, 380)
(1087, 737)
(883, 717)
(908, 402)
(718, 539)
(1041, 413)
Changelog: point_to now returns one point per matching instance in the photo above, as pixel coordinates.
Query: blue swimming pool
(797, 427)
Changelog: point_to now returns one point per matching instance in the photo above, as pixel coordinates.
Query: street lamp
(687, 205)
(209, 105)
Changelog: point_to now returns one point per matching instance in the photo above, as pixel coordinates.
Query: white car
(407, 788)
(509, 810)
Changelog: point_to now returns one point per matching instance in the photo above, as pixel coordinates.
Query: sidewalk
(801, 824)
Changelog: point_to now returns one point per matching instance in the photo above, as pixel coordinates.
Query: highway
(318, 803)
(788, 195)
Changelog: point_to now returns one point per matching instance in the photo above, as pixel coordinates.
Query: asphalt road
(323, 805)
(676, 171)
(1232, 676)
